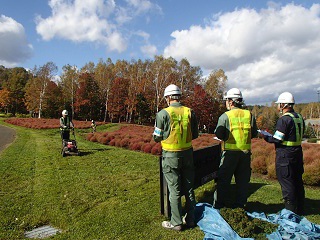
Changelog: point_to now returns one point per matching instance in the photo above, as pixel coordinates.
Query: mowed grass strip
(106, 193)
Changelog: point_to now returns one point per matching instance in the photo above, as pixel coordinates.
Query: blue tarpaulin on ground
(291, 226)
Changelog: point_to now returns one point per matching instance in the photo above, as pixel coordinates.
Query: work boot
(168, 225)
(188, 223)
(289, 206)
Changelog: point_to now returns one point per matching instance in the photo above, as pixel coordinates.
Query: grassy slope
(107, 193)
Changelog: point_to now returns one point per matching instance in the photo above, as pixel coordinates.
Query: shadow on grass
(262, 207)
(311, 207)
(207, 196)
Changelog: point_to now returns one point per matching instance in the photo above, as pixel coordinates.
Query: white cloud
(149, 50)
(97, 21)
(13, 41)
(263, 52)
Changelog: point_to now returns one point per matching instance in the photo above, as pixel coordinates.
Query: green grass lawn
(106, 193)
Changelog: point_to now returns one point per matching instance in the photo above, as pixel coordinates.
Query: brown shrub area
(45, 123)
(156, 149)
(259, 165)
(139, 138)
(103, 140)
(112, 142)
(147, 148)
(272, 171)
(311, 174)
(89, 136)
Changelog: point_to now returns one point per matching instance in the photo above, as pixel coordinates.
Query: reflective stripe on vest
(299, 130)
(180, 136)
(240, 130)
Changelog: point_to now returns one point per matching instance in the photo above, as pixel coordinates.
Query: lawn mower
(69, 146)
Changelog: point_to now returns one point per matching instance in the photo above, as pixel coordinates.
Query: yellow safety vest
(66, 122)
(299, 130)
(180, 136)
(240, 130)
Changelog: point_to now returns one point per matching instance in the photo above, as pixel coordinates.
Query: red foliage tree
(205, 107)
(117, 98)
(87, 101)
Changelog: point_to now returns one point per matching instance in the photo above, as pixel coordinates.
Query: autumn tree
(104, 76)
(53, 100)
(135, 77)
(256, 111)
(143, 111)
(118, 95)
(311, 110)
(269, 117)
(206, 108)
(216, 83)
(162, 72)
(4, 99)
(87, 102)
(15, 83)
(187, 76)
(36, 88)
(69, 84)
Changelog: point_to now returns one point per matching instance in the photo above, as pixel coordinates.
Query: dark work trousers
(235, 163)
(289, 170)
(65, 135)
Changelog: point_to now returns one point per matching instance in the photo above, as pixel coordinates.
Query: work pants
(235, 163)
(65, 135)
(179, 174)
(289, 170)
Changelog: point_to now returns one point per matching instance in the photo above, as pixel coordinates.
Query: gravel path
(7, 136)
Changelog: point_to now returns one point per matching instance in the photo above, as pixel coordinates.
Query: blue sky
(265, 47)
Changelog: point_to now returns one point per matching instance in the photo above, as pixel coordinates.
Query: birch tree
(36, 88)
(104, 76)
(69, 83)
(162, 70)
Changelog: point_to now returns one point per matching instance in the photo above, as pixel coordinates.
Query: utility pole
(318, 92)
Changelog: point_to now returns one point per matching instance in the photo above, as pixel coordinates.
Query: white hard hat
(285, 97)
(233, 93)
(64, 112)
(172, 90)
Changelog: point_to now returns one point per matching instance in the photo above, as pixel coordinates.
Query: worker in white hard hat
(235, 128)
(65, 125)
(289, 156)
(93, 126)
(175, 128)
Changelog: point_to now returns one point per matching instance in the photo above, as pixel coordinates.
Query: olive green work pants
(179, 174)
(235, 163)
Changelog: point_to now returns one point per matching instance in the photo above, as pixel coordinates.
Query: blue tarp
(291, 226)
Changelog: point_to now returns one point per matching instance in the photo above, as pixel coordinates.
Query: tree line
(123, 91)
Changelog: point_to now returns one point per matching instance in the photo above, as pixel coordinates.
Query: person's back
(175, 128)
(289, 156)
(235, 127)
